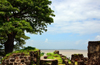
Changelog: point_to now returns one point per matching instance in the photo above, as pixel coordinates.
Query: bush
(42, 54)
(29, 48)
(50, 57)
(56, 55)
(50, 54)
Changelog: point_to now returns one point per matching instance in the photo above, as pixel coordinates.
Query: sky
(76, 23)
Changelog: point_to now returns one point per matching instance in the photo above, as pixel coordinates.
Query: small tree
(18, 16)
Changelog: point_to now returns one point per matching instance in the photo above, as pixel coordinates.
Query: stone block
(94, 53)
(56, 52)
(66, 62)
(22, 63)
(80, 62)
(45, 57)
(77, 57)
(11, 59)
(53, 61)
(17, 60)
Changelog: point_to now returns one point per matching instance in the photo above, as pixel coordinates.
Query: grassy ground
(55, 56)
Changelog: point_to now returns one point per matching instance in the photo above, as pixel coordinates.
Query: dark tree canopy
(18, 16)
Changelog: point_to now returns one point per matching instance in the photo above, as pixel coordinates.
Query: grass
(55, 56)
(41, 54)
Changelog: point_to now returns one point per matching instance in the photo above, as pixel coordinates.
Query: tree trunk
(9, 44)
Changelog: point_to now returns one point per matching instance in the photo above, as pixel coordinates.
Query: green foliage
(18, 16)
(50, 57)
(69, 61)
(36, 12)
(49, 54)
(52, 54)
(41, 54)
(29, 48)
(26, 50)
(69, 58)
(8, 54)
(55, 56)
(75, 54)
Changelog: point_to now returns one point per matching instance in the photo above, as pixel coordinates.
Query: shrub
(49, 54)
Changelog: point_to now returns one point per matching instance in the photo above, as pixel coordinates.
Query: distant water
(67, 53)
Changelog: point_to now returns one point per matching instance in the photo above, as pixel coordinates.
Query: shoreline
(62, 49)
(67, 52)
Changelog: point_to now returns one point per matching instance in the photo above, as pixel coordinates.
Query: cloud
(85, 27)
(97, 37)
(76, 16)
(46, 40)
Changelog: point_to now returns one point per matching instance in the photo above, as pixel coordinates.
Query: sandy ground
(68, 53)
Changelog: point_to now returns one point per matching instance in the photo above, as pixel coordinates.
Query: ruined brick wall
(23, 59)
(17, 59)
(77, 56)
(94, 53)
(35, 57)
(56, 52)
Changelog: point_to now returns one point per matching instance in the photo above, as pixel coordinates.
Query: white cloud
(97, 37)
(86, 27)
(46, 40)
(75, 16)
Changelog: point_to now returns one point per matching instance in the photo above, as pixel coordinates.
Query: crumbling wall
(56, 52)
(17, 59)
(94, 53)
(77, 57)
(35, 57)
(53, 62)
(23, 59)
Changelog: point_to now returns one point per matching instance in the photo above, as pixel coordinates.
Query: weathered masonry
(94, 53)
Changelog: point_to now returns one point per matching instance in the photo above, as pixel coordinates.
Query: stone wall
(77, 57)
(94, 53)
(23, 59)
(53, 62)
(56, 52)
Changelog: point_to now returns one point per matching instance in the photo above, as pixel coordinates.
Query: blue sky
(76, 22)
